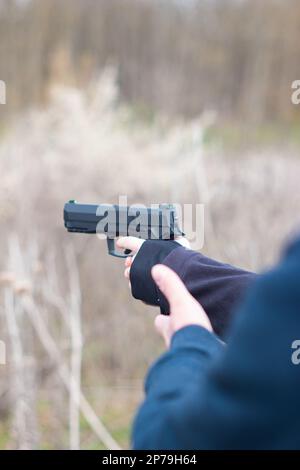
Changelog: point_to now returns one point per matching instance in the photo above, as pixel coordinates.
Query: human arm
(202, 395)
(218, 287)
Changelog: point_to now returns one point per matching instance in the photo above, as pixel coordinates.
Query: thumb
(170, 285)
(130, 243)
(184, 309)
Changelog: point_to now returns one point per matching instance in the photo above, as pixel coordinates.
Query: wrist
(152, 252)
(195, 337)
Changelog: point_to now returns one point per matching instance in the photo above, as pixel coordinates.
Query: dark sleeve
(202, 395)
(218, 287)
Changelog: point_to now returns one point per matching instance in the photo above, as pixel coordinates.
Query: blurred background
(162, 101)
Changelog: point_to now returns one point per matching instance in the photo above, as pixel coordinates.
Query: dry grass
(89, 146)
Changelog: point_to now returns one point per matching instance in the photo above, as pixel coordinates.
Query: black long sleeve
(218, 287)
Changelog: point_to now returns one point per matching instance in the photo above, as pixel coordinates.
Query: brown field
(97, 115)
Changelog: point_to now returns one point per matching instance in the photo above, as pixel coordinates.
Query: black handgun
(159, 222)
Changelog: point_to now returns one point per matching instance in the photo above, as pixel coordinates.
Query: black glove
(143, 287)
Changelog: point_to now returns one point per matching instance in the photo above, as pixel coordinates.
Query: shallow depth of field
(153, 100)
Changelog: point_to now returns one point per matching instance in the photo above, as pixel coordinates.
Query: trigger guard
(113, 252)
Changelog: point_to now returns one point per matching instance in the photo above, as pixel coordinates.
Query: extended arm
(202, 395)
(218, 287)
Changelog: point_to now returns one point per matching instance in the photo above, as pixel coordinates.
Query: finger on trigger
(130, 243)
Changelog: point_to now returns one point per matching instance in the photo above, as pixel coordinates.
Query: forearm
(218, 287)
